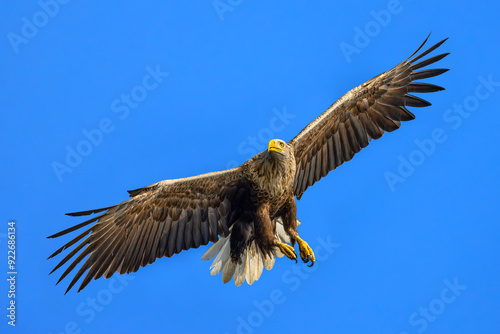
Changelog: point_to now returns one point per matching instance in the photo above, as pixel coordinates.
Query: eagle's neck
(273, 174)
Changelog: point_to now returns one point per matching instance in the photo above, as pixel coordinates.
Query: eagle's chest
(275, 184)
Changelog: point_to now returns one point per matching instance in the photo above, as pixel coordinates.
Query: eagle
(249, 213)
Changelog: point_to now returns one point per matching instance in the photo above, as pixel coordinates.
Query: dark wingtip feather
(85, 282)
(74, 228)
(428, 61)
(419, 87)
(75, 279)
(415, 101)
(55, 253)
(88, 212)
(424, 74)
(421, 45)
(426, 52)
(60, 279)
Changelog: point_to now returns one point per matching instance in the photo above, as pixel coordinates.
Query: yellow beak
(274, 146)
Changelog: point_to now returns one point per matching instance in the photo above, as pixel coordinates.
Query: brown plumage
(249, 212)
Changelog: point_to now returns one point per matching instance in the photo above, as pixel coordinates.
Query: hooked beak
(274, 146)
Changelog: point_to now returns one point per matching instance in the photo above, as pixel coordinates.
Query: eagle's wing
(159, 220)
(364, 113)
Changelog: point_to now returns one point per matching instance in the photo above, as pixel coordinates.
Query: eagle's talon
(287, 250)
(306, 253)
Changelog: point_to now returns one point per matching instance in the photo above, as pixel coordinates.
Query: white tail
(252, 261)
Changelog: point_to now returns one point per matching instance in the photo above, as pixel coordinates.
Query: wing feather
(159, 220)
(364, 113)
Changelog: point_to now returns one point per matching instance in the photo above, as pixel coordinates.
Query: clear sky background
(410, 224)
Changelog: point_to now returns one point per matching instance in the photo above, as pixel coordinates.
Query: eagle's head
(278, 149)
(273, 170)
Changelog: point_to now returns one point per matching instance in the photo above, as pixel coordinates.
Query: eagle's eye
(282, 144)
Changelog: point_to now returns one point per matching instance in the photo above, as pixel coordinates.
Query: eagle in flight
(248, 212)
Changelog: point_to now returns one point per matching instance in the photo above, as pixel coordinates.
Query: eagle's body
(270, 176)
(248, 212)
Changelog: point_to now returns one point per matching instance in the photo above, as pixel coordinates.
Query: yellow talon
(306, 253)
(287, 250)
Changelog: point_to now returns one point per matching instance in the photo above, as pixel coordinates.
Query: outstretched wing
(159, 220)
(364, 113)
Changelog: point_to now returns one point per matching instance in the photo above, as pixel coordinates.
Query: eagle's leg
(264, 232)
(290, 225)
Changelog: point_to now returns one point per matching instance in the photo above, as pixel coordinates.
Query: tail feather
(212, 251)
(228, 271)
(218, 264)
(240, 270)
(253, 261)
(269, 261)
(254, 264)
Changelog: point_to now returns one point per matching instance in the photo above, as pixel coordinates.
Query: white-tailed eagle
(248, 212)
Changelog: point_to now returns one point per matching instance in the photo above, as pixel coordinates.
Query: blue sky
(209, 82)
